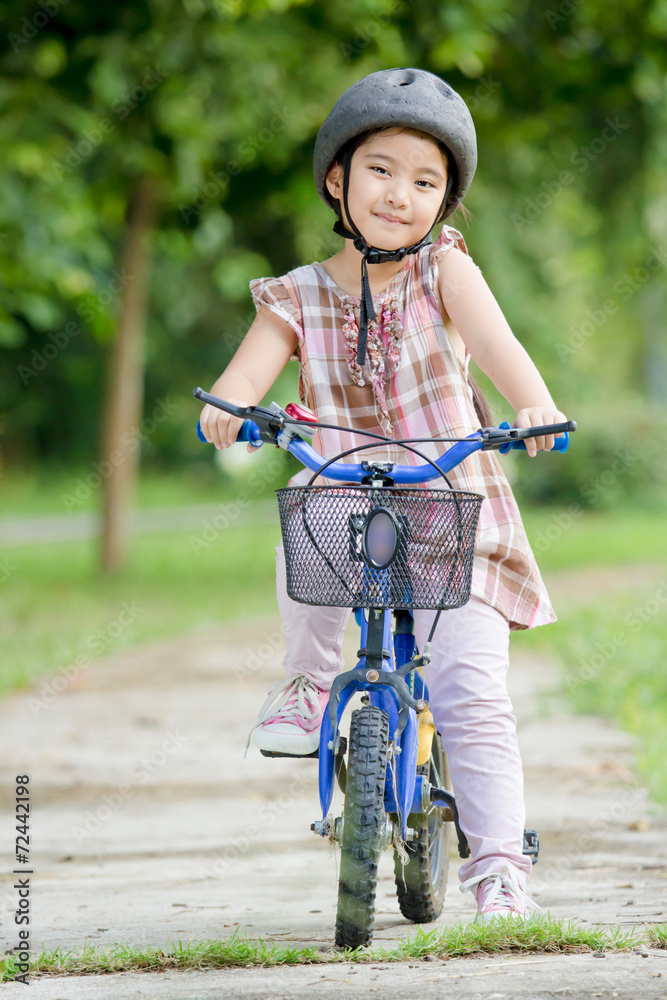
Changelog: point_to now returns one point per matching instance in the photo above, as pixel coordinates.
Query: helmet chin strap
(374, 255)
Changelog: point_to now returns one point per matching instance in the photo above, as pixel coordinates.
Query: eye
(380, 168)
(428, 183)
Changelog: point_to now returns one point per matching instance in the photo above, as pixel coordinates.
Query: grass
(610, 645)
(595, 538)
(657, 935)
(33, 493)
(56, 608)
(537, 933)
(612, 656)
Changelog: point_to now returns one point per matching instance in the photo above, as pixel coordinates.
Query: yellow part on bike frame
(425, 734)
(425, 726)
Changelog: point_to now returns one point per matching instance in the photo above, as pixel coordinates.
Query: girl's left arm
(471, 306)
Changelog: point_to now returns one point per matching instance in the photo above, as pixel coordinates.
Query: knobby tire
(363, 826)
(421, 883)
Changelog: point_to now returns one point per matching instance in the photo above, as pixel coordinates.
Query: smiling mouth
(393, 222)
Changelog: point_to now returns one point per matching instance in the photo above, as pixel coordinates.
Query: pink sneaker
(291, 717)
(499, 895)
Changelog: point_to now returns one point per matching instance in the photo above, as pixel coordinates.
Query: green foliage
(616, 456)
(219, 104)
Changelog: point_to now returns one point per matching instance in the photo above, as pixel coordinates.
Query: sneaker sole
(278, 753)
(286, 745)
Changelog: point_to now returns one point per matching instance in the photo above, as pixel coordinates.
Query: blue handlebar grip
(560, 444)
(249, 431)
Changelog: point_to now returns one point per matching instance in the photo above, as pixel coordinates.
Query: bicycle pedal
(531, 844)
(275, 753)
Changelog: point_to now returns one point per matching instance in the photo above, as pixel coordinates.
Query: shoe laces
(289, 698)
(504, 892)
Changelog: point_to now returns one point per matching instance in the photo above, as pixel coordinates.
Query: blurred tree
(213, 106)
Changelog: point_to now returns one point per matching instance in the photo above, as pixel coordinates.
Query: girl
(383, 332)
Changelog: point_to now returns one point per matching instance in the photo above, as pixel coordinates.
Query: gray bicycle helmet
(406, 97)
(402, 97)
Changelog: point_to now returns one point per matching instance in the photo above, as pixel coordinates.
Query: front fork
(401, 698)
(411, 734)
(375, 673)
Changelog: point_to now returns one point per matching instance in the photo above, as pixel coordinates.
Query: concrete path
(148, 825)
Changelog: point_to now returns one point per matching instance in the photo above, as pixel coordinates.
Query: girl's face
(397, 183)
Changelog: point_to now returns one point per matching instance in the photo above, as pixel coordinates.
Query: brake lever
(271, 421)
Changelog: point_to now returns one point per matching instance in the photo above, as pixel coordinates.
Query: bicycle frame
(404, 788)
(406, 792)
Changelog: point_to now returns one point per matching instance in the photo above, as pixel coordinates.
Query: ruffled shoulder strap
(448, 238)
(280, 295)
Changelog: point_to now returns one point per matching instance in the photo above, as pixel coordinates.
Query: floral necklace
(385, 339)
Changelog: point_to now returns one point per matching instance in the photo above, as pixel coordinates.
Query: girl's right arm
(264, 351)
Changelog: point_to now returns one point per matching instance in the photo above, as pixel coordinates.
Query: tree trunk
(121, 441)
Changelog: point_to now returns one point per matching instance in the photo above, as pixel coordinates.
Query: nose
(397, 195)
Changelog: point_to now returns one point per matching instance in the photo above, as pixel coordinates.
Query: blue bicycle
(384, 545)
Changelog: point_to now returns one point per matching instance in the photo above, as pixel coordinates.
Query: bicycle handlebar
(249, 431)
(274, 425)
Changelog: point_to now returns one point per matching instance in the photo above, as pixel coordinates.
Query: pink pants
(470, 704)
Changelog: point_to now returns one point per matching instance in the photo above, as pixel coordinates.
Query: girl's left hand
(535, 416)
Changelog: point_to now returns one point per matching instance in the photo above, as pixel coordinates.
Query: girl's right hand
(220, 428)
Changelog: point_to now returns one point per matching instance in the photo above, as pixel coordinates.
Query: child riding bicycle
(383, 332)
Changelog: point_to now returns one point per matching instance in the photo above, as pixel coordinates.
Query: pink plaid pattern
(426, 394)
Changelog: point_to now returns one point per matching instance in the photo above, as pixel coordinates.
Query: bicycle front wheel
(421, 882)
(363, 833)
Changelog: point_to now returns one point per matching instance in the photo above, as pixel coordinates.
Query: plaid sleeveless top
(413, 384)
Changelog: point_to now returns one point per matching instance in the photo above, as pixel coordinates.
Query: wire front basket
(364, 547)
